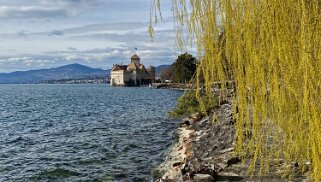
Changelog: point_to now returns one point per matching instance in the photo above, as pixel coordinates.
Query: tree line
(181, 71)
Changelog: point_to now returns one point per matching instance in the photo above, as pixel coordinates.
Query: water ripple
(82, 132)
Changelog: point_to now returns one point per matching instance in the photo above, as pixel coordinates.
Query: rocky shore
(203, 152)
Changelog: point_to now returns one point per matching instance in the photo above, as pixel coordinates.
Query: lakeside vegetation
(271, 51)
(181, 71)
(189, 104)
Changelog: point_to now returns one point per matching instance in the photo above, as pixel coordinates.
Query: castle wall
(117, 77)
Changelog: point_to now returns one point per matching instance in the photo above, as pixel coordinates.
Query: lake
(83, 132)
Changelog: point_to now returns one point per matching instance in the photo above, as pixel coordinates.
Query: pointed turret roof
(135, 57)
(133, 66)
(142, 67)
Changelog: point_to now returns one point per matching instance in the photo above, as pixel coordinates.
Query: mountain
(71, 71)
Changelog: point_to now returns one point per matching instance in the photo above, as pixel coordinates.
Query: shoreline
(176, 156)
(173, 86)
(203, 150)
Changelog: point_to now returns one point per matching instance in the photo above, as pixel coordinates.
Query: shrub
(189, 104)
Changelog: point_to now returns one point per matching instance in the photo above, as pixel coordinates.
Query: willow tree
(273, 51)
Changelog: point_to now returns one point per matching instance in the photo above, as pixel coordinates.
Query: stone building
(133, 74)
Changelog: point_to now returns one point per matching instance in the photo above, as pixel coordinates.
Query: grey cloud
(99, 30)
(31, 12)
(55, 33)
(161, 52)
(22, 33)
(118, 55)
(71, 48)
(129, 37)
(12, 50)
(70, 2)
(48, 8)
(130, 34)
(108, 26)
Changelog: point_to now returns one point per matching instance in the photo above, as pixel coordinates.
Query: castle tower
(151, 73)
(135, 59)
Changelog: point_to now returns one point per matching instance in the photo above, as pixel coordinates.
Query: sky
(37, 34)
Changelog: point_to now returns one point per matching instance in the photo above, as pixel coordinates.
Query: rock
(184, 168)
(185, 122)
(186, 177)
(228, 174)
(233, 160)
(215, 168)
(176, 164)
(227, 150)
(203, 178)
(222, 165)
(205, 120)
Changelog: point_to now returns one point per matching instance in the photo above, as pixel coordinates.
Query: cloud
(55, 33)
(36, 63)
(71, 3)
(71, 49)
(31, 12)
(28, 60)
(22, 33)
(13, 60)
(25, 63)
(98, 58)
(102, 45)
(108, 56)
(47, 8)
(97, 33)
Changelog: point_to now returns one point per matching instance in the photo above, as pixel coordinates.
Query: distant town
(76, 81)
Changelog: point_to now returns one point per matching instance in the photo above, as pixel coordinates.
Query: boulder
(185, 122)
(203, 178)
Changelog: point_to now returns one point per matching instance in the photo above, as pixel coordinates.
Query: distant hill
(71, 71)
(160, 67)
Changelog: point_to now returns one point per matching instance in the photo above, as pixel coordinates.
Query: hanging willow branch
(271, 50)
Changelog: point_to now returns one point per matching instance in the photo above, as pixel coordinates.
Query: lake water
(83, 132)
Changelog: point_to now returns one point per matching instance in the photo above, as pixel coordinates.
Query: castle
(133, 74)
